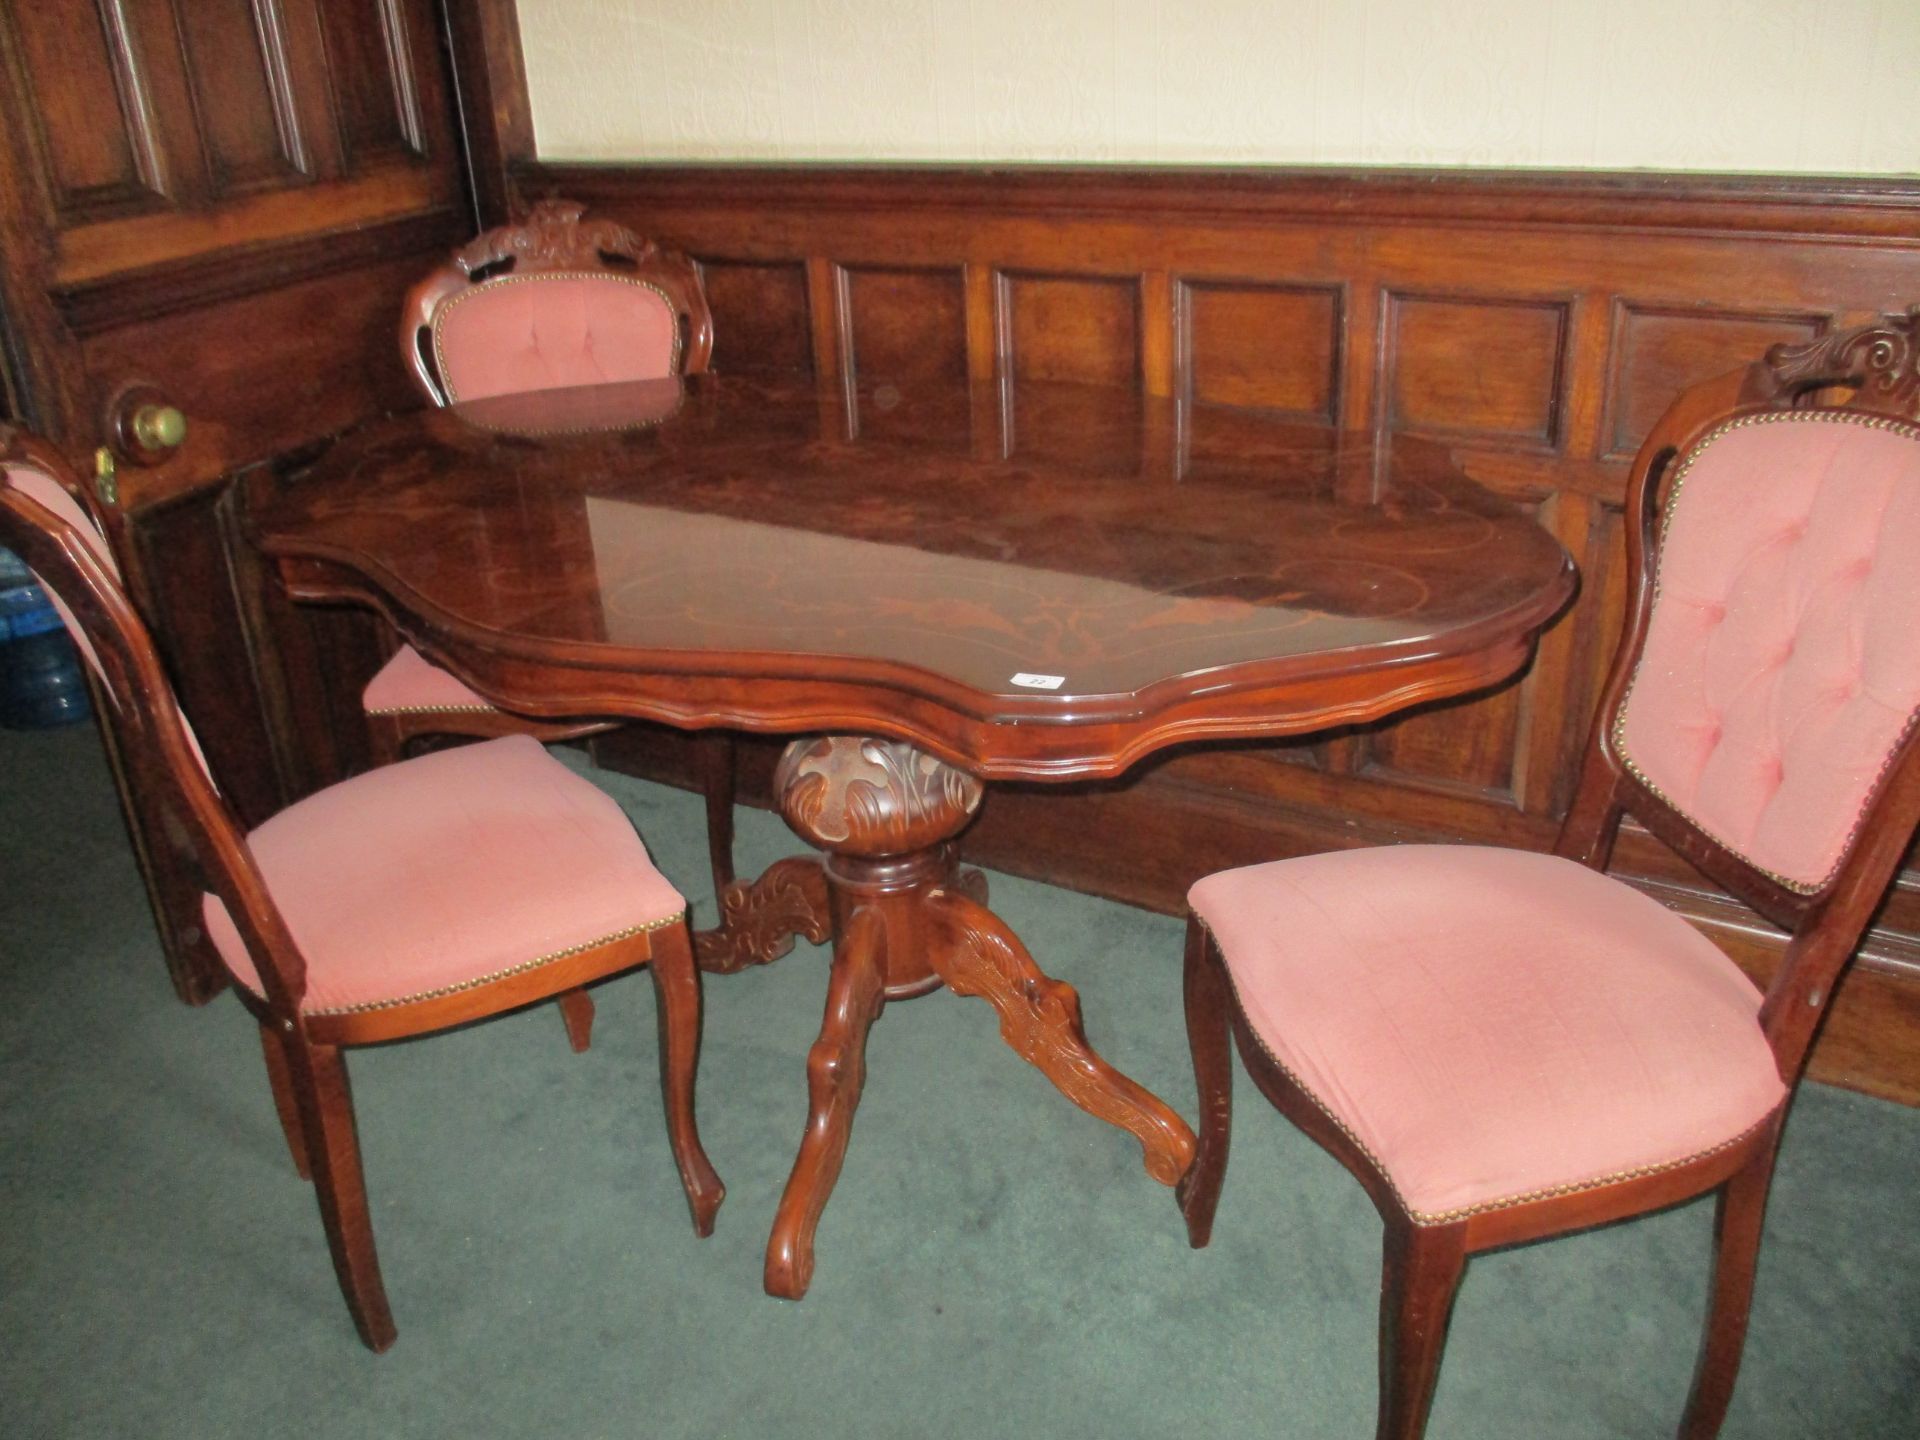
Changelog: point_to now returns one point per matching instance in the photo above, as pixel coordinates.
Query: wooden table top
(722, 552)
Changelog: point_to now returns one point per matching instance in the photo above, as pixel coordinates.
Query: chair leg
(1739, 1215)
(717, 780)
(274, 1046)
(1209, 1036)
(576, 1009)
(676, 984)
(326, 1115)
(1418, 1281)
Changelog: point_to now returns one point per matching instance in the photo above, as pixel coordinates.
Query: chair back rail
(1870, 376)
(163, 763)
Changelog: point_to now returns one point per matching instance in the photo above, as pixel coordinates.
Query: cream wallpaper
(1775, 85)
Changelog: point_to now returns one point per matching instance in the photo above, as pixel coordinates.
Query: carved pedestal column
(905, 919)
(886, 814)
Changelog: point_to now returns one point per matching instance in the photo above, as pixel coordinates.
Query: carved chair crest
(1881, 363)
(555, 237)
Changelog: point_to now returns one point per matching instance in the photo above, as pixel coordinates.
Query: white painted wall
(1768, 85)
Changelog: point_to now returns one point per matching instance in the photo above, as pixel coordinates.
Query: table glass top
(1040, 546)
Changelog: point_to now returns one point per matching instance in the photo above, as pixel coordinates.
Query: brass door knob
(159, 427)
(143, 425)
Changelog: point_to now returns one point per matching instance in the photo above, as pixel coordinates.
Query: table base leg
(906, 918)
(977, 954)
(836, 1071)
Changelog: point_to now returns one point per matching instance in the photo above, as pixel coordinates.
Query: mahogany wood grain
(906, 920)
(490, 82)
(1871, 372)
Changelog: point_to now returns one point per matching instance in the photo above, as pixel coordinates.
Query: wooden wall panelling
(1488, 370)
(1079, 328)
(1535, 323)
(240, 69)
(1067, 326)
(827, 335)
(903, 326)
(1272, 346)
(1473, 745)
(489, 76)
(377, 78)
(259, 373)
(178, 571)
(94, 133)
(1158, 325)
(761, 319)
(1659, 350)
(1259, 345)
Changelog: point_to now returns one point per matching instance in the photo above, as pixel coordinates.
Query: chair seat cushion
(436, 875)
(1491, 1025)
(410, 684)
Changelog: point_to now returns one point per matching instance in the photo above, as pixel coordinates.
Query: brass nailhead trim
(440, 313)
(1619, 727)
(1448, 1217)
(511, 970)
(436, 710)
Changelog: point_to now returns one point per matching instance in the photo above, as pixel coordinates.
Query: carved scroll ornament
(554, 237)
(859, 796)
(1881, 361)
(758, 921)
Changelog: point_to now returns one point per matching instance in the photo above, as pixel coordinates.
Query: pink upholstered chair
(422, 895)
(1503, 1046)
(552, 301)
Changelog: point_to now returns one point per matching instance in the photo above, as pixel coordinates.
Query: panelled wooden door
(214, 207)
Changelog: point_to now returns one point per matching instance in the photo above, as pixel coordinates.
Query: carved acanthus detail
(554, 237)
(1881, 361)
(867, 797)
(758, 921)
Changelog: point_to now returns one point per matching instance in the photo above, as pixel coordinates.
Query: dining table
(930, 584)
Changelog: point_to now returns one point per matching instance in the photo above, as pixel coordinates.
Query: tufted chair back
(554, 301)
(1761, 715)
(1782, 662)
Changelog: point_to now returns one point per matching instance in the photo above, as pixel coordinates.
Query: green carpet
(994, 1262)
